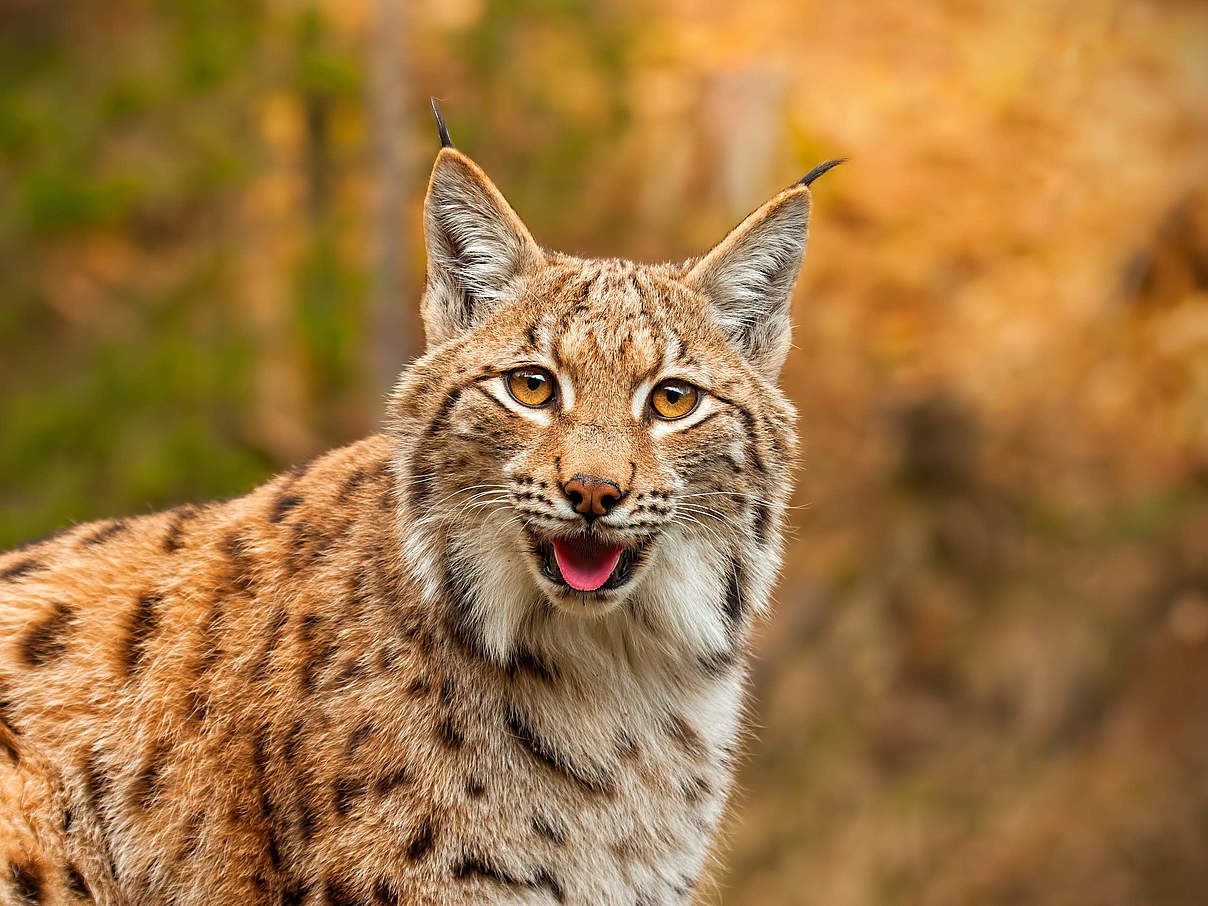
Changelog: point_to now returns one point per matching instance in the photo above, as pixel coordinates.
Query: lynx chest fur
(495, 654)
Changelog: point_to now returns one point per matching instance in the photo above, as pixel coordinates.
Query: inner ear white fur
(477, 246)
(750, 276)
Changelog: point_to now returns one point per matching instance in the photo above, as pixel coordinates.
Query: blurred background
(987, 676)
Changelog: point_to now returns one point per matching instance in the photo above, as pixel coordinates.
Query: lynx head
(596, 443)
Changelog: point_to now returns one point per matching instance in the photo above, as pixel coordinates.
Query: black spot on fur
(413, 625)
(461, 621)
(105, 532)
(763, 522)
(210, 642)
(190, 840)
(544, 879)
(146, 786)
(422, 840)
(174, 539)
(685, 734)
(685, 885)
(718, 663)
(384, 893)
(441, 420)
(197, 705)
(524, 661)
(282, 505)
(582, 294)
(96, 780)
(46, 640)
(143, 622)
(626, 747)
(351, 483)
(388, 656)
(344, 792)
(474, 866)
(75, 883)
(267, 817)
(449, 734)
(308, 817)
(421, 489)
(352, 669)
(241, 572)
(490, 398)
(293, 739)
(595, 780)
(307, 544)
(418, 686)
(547, 827)
(475, 788)
(751, 426)
(338, 895)
(695, 788)
(293, 895)
(276, 623)
(27, 883)
(8, 723)
(363, 731)
(318, 650)
(388, 783)
(388, 498)
(734, 605)
(19, 569)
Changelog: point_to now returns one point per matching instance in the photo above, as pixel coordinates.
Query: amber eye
(531, 386)
(674, 399)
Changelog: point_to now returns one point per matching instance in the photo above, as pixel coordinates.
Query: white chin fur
(668, 611)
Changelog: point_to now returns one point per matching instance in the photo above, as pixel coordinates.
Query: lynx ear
(476, 244)
(750, 277)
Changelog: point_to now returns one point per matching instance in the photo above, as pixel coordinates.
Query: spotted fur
(360, 683)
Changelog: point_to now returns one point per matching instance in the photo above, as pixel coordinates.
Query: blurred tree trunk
(390, 339)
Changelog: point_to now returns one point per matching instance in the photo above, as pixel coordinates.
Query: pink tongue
(585, 566)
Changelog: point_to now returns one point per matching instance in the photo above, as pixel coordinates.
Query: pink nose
(592, 496)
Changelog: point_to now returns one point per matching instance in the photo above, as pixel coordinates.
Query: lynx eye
(531, 386)
(674, 399)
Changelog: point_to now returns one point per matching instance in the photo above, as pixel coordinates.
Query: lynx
(494, 654)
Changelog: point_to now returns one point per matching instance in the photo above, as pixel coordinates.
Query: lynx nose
(592, 496)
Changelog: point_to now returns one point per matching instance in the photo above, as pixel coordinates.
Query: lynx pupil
(531, 386)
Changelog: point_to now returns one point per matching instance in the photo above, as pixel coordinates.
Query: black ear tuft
(446, 141)
(808, 177)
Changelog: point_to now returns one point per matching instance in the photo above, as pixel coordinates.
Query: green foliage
(126, 377)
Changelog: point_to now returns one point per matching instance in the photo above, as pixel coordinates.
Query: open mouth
(586, 564)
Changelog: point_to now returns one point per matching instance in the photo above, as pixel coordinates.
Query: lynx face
(601, 436)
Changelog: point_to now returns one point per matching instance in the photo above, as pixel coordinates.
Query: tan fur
(355, 684)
